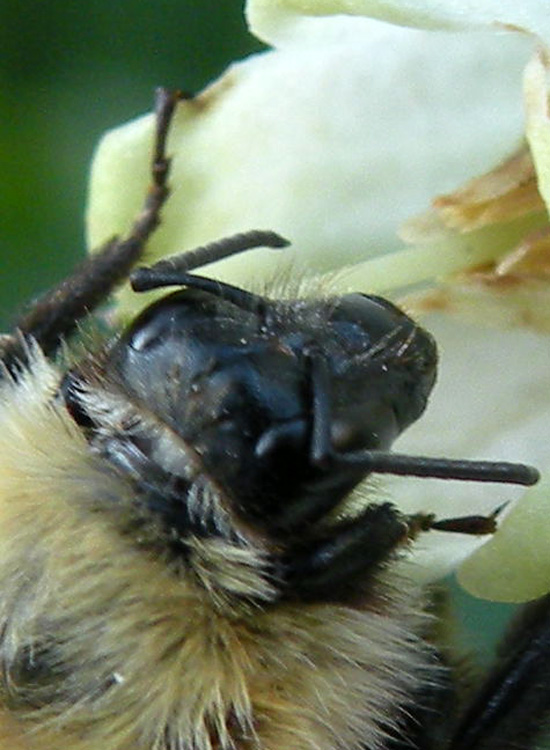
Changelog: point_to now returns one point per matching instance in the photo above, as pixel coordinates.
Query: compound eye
(364, 320)
(152, 328)
(172, 317)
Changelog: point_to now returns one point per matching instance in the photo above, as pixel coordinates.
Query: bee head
(270, 397)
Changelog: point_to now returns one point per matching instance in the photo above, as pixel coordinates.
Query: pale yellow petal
(448, 253)
(514, 566)
(284, 21)
(538, 119)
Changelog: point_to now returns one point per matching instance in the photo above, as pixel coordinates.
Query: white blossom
(335, 137)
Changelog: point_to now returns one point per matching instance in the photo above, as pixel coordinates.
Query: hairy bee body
(186, 560)
(104, 646)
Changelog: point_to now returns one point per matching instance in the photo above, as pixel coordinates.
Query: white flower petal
(331, 146)
(491, 401)
(334, 143)
(288, 21)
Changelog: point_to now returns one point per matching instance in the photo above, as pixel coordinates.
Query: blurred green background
(70, 70)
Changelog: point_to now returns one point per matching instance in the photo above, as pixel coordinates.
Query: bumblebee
(182, 563)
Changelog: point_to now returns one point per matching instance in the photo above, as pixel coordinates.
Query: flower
(320, 139)
(333, 138)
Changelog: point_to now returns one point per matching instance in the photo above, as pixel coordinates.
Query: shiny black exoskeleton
(275, 400)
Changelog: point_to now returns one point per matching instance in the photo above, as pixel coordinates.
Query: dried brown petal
(488, 299)
(507, 192)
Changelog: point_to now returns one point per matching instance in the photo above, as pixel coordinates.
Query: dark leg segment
(471, 525)
(512, 708)
(56, 314)
(336, 564)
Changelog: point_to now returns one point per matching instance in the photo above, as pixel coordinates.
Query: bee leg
(471, 525)
(512, 708)
(336, 564)
(55, 315)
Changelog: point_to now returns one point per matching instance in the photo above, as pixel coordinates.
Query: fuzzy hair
(106, 647)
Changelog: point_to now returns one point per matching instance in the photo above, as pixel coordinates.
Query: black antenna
(234, 294)
(55, 315)
(381, 462)
(174, 271)
(177, 267)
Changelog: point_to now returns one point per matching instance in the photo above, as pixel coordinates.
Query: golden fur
(148, 658)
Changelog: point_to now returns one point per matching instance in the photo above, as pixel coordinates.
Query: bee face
(179, 569)
(237, 388)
